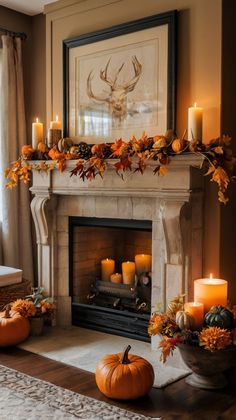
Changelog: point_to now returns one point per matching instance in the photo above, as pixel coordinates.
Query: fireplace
(172, 204)
(112, 304)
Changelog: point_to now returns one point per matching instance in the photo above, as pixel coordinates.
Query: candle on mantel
(37, 133)
(143, 263)
(210, 292)
(195, 122)
(197, 311)
(116, 278)
(128, 272)
(56, 124)
(107, 268)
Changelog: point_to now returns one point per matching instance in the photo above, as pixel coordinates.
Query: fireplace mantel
(173, 203)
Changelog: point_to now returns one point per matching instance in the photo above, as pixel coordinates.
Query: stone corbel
(38, 209)
(176, 269)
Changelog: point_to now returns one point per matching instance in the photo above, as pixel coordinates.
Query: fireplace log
(113, 289)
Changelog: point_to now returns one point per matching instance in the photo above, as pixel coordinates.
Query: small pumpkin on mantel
(14, 328)
(124, 376)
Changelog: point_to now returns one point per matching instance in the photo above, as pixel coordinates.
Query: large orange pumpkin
(14, 328)
(124, 377)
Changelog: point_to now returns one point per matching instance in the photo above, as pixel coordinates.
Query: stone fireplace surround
(174, 204)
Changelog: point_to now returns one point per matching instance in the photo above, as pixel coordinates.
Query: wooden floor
(176, 401)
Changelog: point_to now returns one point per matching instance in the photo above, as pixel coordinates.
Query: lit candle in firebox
(116, 278)
(143, 263)
(107, 268)
(128, 272)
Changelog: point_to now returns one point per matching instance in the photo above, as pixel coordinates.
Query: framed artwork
(120, 81)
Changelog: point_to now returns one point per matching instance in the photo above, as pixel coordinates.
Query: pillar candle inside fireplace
(143, 263)
(210, 292)
(116, 278)
(107, 268)
(128, 272)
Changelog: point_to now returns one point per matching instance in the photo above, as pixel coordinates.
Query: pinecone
(84, 150)
(150, 143)
(106, 151)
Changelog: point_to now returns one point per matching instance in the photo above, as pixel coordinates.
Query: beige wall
(199, 68)
(38, 70)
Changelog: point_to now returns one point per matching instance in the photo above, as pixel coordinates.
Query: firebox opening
(121, 306)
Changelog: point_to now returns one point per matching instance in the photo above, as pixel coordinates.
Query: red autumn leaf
(141, 166)
(123, 164)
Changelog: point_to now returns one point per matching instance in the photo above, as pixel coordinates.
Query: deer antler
(90, 92)
(129, 86)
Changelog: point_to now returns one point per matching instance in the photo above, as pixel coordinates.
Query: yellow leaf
(219, 150)
(162, 171)
(210, 170)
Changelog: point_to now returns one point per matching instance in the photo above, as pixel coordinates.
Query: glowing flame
(56, 117)
(195, 104)
(37, 120)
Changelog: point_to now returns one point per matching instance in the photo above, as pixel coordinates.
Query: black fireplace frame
(117, 322)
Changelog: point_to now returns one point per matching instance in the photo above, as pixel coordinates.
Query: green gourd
(219, 316)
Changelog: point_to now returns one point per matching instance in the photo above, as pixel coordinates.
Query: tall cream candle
(195, 123)
(37, 133)
(210, 292)
(143, 263)
(107, 268)
(128, 272)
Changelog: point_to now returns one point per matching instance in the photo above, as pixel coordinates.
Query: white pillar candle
(210, 292)
(37, 133)
(195, 123)
(128, 272)
(107, 268)
(143, 263)
(116, 278)
(56, 124)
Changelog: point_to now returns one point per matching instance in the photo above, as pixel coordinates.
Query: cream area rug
(25, 398)
(83, 348)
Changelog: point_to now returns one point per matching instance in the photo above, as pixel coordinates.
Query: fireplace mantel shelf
(177, 182)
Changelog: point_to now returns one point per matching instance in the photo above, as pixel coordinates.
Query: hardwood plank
(176, 401)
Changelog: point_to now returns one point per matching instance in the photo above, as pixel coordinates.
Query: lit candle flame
(210, 276)
(195, 104)
(56, 117)
(37, 120)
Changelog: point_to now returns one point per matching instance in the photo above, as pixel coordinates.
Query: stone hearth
(172, 203)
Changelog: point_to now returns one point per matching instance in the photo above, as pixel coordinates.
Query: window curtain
(16, 240)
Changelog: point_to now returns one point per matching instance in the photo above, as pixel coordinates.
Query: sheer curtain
(16, 241)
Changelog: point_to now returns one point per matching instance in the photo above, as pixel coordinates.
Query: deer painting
(116, 97)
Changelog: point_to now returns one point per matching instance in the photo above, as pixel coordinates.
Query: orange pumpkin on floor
(14, 328)
(124, 377)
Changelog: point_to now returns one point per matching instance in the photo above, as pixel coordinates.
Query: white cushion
(9, 275)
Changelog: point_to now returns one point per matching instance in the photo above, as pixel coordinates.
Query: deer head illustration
(117, 96)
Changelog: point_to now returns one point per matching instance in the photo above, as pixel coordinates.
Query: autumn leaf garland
(128, 156)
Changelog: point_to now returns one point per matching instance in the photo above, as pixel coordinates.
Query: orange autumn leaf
(219, 150)
(163, 170)
(118, 147)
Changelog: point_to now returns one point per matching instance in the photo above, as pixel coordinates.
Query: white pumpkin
(184, 320)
